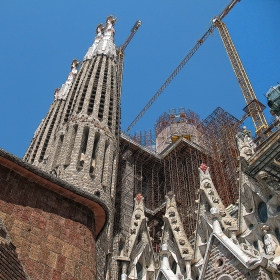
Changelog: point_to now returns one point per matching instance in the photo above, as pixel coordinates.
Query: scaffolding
(145, 139)
(175, 124)
(175, 167)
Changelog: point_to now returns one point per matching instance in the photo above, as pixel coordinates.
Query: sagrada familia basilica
(88, 201)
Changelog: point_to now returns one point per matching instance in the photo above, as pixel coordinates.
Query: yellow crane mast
(254, 108)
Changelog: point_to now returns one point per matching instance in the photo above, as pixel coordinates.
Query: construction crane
(120, 54)
(254, 107)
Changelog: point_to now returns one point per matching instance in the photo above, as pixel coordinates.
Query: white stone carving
(63, 92)
(107, 45)
(270, 241)
(245, 143)
(97, 39)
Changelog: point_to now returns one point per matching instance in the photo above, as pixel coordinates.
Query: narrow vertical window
(73, 94)
(103, 93)
(71, 145)
(104, 161)
(94, 88)
(93, 156)
(83, 95)
(48, 136)
(110, 116)
(112, 175)
(58, 149)
(42, 131)
(83, 148)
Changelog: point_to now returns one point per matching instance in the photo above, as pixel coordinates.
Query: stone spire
(40, 148)
(78, 139)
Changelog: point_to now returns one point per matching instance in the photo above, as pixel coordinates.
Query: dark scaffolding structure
(175, 167)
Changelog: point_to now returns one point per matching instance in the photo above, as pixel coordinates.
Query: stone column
(164, 257)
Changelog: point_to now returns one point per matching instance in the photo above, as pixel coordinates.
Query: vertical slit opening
(71, 145)
(73, 93)
(112, 174)
(58, 150)
(104, 161)
(103, 93)
(94, 88)
(83, 148)
(93, 155)
(42, 131)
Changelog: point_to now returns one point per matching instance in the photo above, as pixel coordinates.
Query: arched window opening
(83, 95)
(112, 174)
(73, 93)
(121, 246)
(262, 212)
(58, 150)
(48, 136)
(139, 270)
(42, 131)
(83, 148)
(105, 159)
(94, 152)
(110, 116)
(103, 93)
(71, 145)
(94, 88)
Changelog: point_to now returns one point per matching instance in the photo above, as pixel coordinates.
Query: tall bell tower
(78, 139)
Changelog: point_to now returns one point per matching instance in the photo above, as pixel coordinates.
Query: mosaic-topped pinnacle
(104, 40)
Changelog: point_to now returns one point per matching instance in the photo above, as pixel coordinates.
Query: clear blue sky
(39, 39)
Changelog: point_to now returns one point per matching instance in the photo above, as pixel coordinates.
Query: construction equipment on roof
(175, 167)
(254, 108)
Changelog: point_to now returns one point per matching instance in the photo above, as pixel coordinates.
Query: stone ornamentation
(139, 197)
(99, 36)
(61, 94)
(171, 214)
(270, 241)
(203, 167)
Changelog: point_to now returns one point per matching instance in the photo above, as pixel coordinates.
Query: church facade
(90, 202)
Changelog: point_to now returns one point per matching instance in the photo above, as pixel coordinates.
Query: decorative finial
(139, 197)
(74, 64)
(203, 167)
(111, 20)
(99, 29)
(265, 228)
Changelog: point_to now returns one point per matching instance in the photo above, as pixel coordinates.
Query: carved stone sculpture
(270, 242)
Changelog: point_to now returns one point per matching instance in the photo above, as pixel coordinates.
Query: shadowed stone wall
(54, 236)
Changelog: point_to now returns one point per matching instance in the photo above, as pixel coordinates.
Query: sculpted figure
(270, 241)
(109, 29)
(108, 46)
(97, 39)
